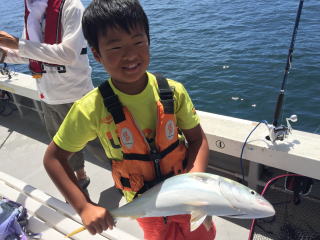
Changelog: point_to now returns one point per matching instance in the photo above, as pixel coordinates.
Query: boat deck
(23, 141)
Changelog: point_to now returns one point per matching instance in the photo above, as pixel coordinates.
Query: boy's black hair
(102, 15)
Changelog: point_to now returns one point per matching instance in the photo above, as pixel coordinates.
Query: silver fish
(198, 194)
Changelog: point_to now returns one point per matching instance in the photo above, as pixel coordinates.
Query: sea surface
(230, 55)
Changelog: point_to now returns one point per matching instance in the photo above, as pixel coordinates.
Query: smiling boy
(142, 121)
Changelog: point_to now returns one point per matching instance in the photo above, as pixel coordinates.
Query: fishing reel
(280, 132)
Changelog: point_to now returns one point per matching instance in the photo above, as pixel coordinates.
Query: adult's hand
(8, 41)
(3, 54)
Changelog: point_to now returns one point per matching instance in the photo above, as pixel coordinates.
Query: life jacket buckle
(61, 69)
(156, 157)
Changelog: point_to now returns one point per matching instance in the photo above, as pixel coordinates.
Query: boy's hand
(96, 219)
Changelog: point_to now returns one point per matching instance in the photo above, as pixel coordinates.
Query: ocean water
(230, 55)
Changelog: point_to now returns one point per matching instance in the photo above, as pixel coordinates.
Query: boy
(136, 123)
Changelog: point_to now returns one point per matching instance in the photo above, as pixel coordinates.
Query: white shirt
(37, 9)
(59, 88)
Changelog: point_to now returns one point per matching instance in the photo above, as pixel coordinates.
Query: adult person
(53, 45)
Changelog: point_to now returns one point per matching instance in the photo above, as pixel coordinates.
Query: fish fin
(208, 223)
(197, 217)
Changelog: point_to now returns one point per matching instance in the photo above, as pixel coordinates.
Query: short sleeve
(186, 115)
(76, 130)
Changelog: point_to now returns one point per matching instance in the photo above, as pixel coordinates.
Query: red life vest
(52, 33)
(143, 166)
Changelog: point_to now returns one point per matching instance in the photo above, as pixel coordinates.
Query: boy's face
(125, 56)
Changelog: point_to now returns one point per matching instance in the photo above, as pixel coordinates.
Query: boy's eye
(114, 48)
(141, 43)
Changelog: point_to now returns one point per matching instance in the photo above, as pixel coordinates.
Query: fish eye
(252, 192)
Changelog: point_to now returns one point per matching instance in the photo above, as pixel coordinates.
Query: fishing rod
(276, 131)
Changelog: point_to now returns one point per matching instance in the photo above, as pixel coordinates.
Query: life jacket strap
(147, 184)
(165, 94)
(114, 106)
(112, 102)
(151, 156)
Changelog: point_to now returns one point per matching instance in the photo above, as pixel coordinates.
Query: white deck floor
(22, 145)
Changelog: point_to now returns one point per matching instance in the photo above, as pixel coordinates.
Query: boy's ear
(96, 54)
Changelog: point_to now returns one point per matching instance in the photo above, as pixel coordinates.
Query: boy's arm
(96, 219)
(198, 149)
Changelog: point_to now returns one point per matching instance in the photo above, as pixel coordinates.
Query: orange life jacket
(143, 166)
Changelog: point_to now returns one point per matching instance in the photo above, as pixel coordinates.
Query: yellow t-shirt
(88, 117)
